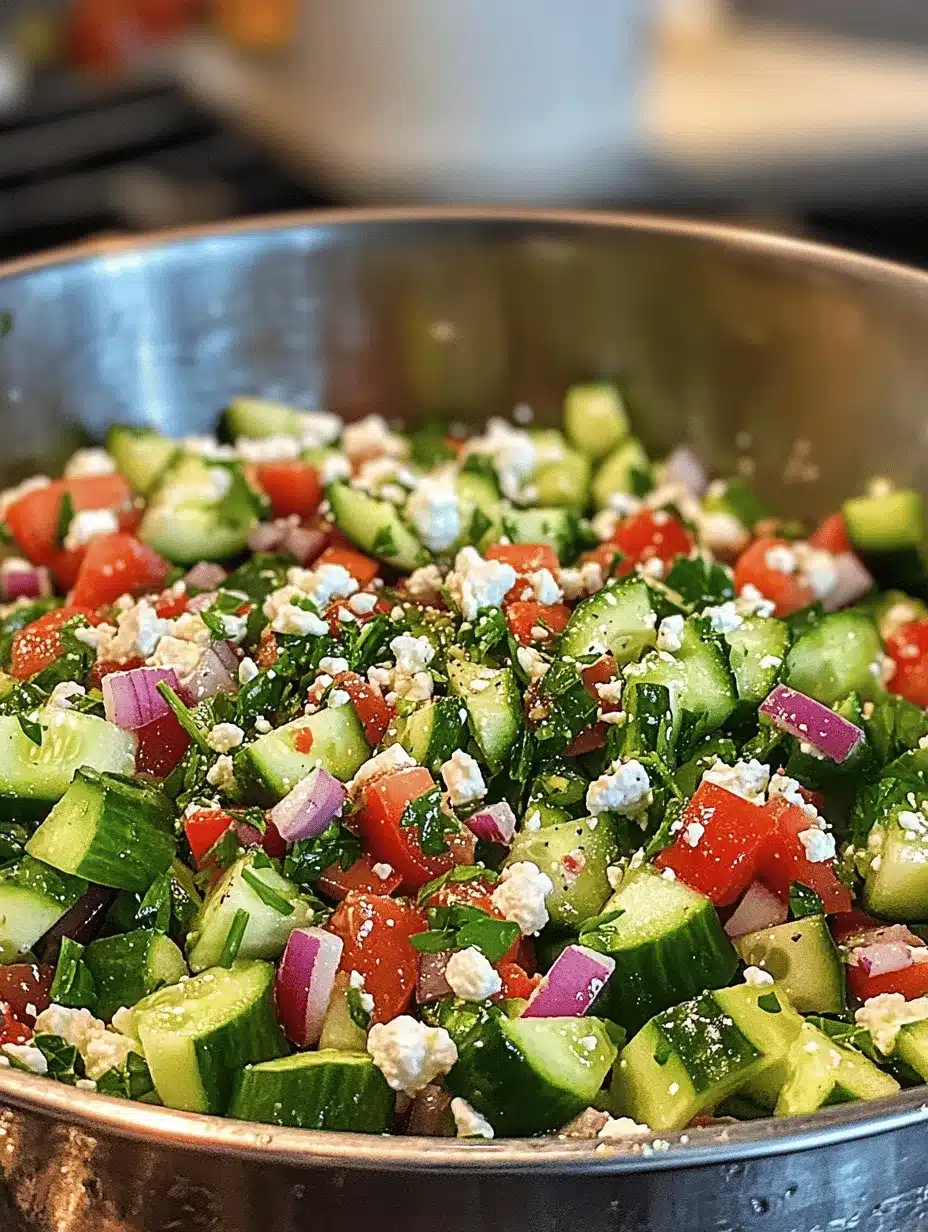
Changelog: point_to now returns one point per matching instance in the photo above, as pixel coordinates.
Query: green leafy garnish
(17, 618)
(31, 729)
(267, 894)
(426, 815)
(6, 323)
(358, 1014)
(459, 875)
(699, 583)
(234, 938)
(73, 984)
(311, 856)
(184, 715)
(65, 518)
(384, 544)
(479, 525)
(225, 604)
(132, 1082)
(65, 1063)
(803, 901)
(458, 927)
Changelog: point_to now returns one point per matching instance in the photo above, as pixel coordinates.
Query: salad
(381, 781)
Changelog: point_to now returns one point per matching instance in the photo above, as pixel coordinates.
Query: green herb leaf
(184, 716)
(234, 938)
(267, 894)
(132, 1082)
(769, 1003)
(31, 729)
(155, 908)
(803, 901)
(479, 525)
(384, 544)
(358, 1014)
(73, 984)
(491, 936)
(459, 875)
(17, 618)
(699, 583)
(425, 813)
(65, 1063)
(311, 856)
(225, 604)
(65, 518)
(6, 323)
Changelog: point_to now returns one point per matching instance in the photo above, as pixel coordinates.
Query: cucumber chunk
(200, 511)
(668, 944)
(886, 523)
(896, 886)
(494, 711)
(33, 777)
(274, 764)
(342, 1091)
(595, 418)
(804, 961)
(575, 855)
(529, 1075)
(912, 1047)
(33, 897)
(619, 619)
(478, 491)
(565, 482)
(432, 732)
(627, 470)
(258, 417)
(198, 1034)
(141, 455)
(820, 1072)
(376, 527)
(698, 678)
(555, 526)
(841, 654)
(757, 651)
(128, 967)
(112, 830)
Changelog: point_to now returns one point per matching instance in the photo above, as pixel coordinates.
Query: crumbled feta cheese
(583, 581)
(520, 896)
(722, 532)
(100, 1048)
(89, 462)
(323, 584)
(725, 618)
(334, 466)
(476, 583)
(770, 661)
(434, 510)
(333, 665)
(544, 587)
(28, 1055)
(471, 976)
(512, 453)
(469, 1122)
(533, 821)
(362, 603)
(319, 428)
(409, 1054)
(87, 524)
(296, 620)
(247, 670)
(372, 438)
(62, 693)
(393, 758)
(670, 633)
(412, 654)
(222, 774)
(781, 559)
(885, 1015)
(262, 725)
(339, 697)
(224, 737)
(383, 871)
(605, 523)
(267, 448)
(747, 779)
(756, 977)
(819, 844)
(425, 584)
(783, 785)
(532, 662)
(610, 691)
(176, 652)
(818, 568)
(463, 779)
(913, 823)
(693, 832)
(750, 602)
(624, 789)
(623, 1127)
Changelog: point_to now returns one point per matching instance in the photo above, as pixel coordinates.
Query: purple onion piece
(305, 982)
(684, 468)
(19, 579)
(306, 810)
(811, 722)
(852, 582)
(305, 544)
(496, 823)
(759, 908)
(207, 575)
(199, 603)
(80, 923)
(432, 984)
(131, 699)
(217, 673)
(267, 537)
(572, 985)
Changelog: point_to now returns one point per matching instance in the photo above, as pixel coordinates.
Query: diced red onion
(305, 544)
(812, 722)
(306, 810)
(21, 580)
(248, 836)
(305, 982)
(217, 673)
(496, 823)
(207, 575)
(80, 923)
(852, 582)
(432, 984)
(572, 984)
(199, 603)
(427, 1116)
(897, 934)
(760, 908)
(684, 468)
(884, 958)
(267, 537)
(131, 699)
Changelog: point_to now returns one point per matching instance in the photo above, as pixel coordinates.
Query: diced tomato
(293, 487)
(115, 565)
(831, 535)
(911, 981)
(161, 745)
(604, 555)
(204, 829)
(302, 740)
(12, 1031)
(524, 558)
(650, 534)
(592, 737)
(515, 981)
(785, 859)
(523, 617)
(361, 567)
(726, 853)
(603, 671)
(849, 923)
(267, 650)
(908, 649)
(39, 643)
(333, 612)
(26, 989)
(375, 713)
(383, 803)
(338, 882)
(274, 844)
(789, 591)
(375, 930)
(172, 604)
(526, 956)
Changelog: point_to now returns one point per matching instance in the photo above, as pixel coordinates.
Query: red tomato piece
(592, 737)
(39, 643)
(515, 981)
(728, 849)
(650, 534)
(34, 518)
(603, 671)
(294, 487)
(204, 829)
(302, 740)
(383, 803)
(524, 558)
(375, 713)
(12, 1031)
(161, 745)
(99, 670)
(785, 859)
(26, 989)
(831, 535)
(523, 617)
(908, 649)
(172, 605)
(789, 591)
(115, 565)
(849, 923)
(375, 930)
(361, 567)
(338, 882)
(911, 981)
(274, 844)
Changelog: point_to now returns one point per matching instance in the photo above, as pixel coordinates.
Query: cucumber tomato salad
(381, 781)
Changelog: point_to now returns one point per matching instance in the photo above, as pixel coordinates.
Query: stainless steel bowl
(803, 364)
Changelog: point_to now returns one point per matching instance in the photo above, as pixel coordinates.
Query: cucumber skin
(338, 746)
(495, 714)
(571, 901)
(30, 889)
(121, 967)
(834, 657)
(361, 517)
(331, 1090)
(812, 990)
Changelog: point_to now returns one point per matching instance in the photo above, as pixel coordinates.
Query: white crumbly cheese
(87, 525)
(819, 845)
(818, 568)
(623, 1127)
(333, 468)
(222, 774)
(27, 1055)
(532, 662)
(583, 581)
(781, 559)
(512, 453)
(885, 1015)
(544, 587)
(520, 896)
(138, 631)
(693, 832)
(319, 428)
(63, 692)
(624, 789)
(267, 448)
(393, 758)
(605, 523)
(756, 977)
(468, 1121)
(89, 462)
(356, 980)
(409, 1054)
(462, 777)
(670, 633)
(783, 785)
(471, 976)
(653, 567)
(338, 697)
(371, 438)
(434, 510)
(100, 1048)
(747, 779)
(724, 618)
(11, 495)
(425, 584)
(750, 602)
(475, 583)
(770, 661)
(333, 665)
(610, 691)
(913, 823)
(412, 654)
(323, 584)
(383, 871)
(362, 603)
(176, 652)
(296, 620)
(224, 737)
(722, 532)
(247, 670)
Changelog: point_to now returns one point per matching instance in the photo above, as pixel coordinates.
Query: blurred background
(804, 115)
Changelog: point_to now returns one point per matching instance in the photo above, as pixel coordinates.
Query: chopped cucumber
(619, 619)
(33, 897)
(840, 654)
(555, 526)
(912, 1047)
(258, 417)
(141, 455)
(376, 527)
(595, 418)
(562, 475)
(886, 523)
(113, 830)
(201, 510)
(331, 1090)
(198, 1034)
(896, 887)
(698, 678)
(627, 470)
(432, 732)
(276, 762)
(575, 855)
(494, 708)
(757, 651)
(478, 492)
(339, 1030)
(128, 967)
(819, 1072)
(803, 960)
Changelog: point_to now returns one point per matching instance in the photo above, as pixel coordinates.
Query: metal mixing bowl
(806, 365)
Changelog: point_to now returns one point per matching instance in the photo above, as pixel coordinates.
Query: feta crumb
(225, 737)
(100, 1048)
(362, 603)
(610, 691)
(532, 662)
(28, 1055)
(783, 785)
(670, 633)
(747, 779)
(469, 1122)
(222, 774)
(88, 524)
(267, 448)
(623, 790)
(470, 976)
(409, 1054)
(725, 618)
(693, 832)
(781, 558)
(296, 620)
(372, 438)
(434, 510)
(412, 654)
(475, 583)
(520, 896)
(462, 777)
(819, 844)
(544, 587)
(512, 453)
(914, 823)
(333, 665)
(319, 428)
(885, 1015)
(623, 1127)
(770, 661)
(62, 693)
(393, 758)
(247, 670)
(722, 532)
(425, 584)
(89, 462)
(263, 725)
(750, 602)
(383, 871)
(583, 581)
(756, 977)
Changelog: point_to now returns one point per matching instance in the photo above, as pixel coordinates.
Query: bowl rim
(313, 1148)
